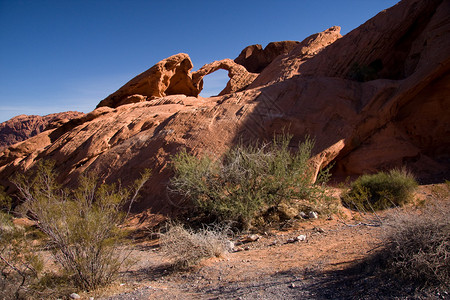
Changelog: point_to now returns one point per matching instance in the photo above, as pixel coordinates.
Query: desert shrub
(186, 247)
(381, 190)
(247, 180)
(82, 224)
(19, 264)
(417, 247)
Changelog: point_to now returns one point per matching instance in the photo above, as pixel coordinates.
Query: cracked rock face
(365, 112)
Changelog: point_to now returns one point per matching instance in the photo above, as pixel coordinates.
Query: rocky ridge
(23, 127)
(374, 99)
(254, 58)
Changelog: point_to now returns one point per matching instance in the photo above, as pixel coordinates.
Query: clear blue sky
(68, 55)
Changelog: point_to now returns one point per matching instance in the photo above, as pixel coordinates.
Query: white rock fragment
(313, 215)
(301, 238)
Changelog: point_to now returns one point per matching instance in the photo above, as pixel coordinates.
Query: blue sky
(68, 55)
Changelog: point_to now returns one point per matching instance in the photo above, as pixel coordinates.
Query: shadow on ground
(359, 281)
(362, 281)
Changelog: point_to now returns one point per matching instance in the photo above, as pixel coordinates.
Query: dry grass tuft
(186, 247)
(417, 247)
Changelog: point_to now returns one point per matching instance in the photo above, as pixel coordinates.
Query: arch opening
(214, 83)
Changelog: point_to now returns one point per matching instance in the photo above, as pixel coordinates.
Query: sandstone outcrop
(286, 65)
(172, 76)
(240, 78)
(254, 58)
(23, 127)
(388, 46)
(168, 77)
(365, 112)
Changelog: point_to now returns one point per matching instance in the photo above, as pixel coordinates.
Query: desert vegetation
(416, 247)
(248, 180)
(381, 190)
(186, 246)
(80, 227)
(19, 263)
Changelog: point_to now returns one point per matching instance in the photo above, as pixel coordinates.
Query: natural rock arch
(172, 76)
(240, 78)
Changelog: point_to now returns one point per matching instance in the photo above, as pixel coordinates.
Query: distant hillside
(23, 127)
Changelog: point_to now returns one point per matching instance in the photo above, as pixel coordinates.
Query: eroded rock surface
(240, 78)
(23, 127)
(168, 77)
(286, 66)
(172, 76)
(254, 58)
(394, 113)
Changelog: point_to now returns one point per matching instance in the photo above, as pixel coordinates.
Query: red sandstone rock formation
(240, 78)
(169, 76)
(254, 58)
(374, 99)
(286, 65)
(172, 76)
(23, 127)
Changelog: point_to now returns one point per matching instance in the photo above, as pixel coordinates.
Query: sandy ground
(328, 265)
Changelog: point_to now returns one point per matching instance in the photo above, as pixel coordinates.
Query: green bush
(381, 190)
(247, 180)
(81, 225)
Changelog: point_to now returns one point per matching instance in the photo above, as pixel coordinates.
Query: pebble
(251, 238)
(313, 215)
(302, 215)
(230, 246)
(74, 296)
(319, 230)
(301, 238)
